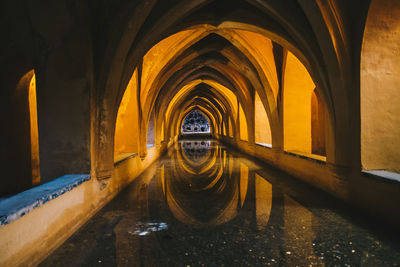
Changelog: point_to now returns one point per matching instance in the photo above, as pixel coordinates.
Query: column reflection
(205, 205)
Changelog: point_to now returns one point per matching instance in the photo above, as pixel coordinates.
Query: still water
(205, 205)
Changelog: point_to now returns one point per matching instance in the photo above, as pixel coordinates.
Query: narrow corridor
(205, 205)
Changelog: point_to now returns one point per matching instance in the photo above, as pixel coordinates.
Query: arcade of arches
(105, 88)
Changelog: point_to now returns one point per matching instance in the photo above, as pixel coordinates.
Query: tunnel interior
(95, 92)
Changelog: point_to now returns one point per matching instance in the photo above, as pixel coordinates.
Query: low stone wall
(33, 235)
(376, 196)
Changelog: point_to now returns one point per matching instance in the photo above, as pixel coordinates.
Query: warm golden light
(260, 49)
(159, 55)
(317, 125)
(244, 180)
(230, 128)
(34, 132)
(200, 132)
(224, 129)
(243, 125)
(162, 131)
(262, 127)
(263, 201)
(127, 125)
(298, 88)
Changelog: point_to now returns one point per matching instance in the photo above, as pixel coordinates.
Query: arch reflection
(222, 209)
(204, 186)
(196, 150)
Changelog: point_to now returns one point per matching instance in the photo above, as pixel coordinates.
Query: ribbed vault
(215, 69)
(219, 46)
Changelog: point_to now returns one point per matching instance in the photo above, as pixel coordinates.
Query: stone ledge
(307, 156)
(123, 157)
(264, 145)
(383, 175)
(20, 204)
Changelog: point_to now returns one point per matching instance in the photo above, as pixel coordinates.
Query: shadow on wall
(23, 163)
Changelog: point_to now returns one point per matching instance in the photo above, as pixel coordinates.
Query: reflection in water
(147, 228)
(196, 150)
(297, 219)
(199, 191)
(244, 179)
(206, 206)
(263, 201)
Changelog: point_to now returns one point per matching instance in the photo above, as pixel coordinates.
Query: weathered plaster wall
(380, 87)
(63, 86)
(16, 60)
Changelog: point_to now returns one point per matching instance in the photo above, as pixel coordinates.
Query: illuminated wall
(151, 137)
(126, 129)
(34, 132)
(243, 125)
(260, 48)
(162, 130)
(262, 127)
(297, 91)
(224, 129)
(380, 87)
(230, 128)
(83, 78)
(158, 56)
(317, 125)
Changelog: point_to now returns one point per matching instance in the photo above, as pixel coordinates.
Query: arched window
(195, 123)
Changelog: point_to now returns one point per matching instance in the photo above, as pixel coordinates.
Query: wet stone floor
(205, 205)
